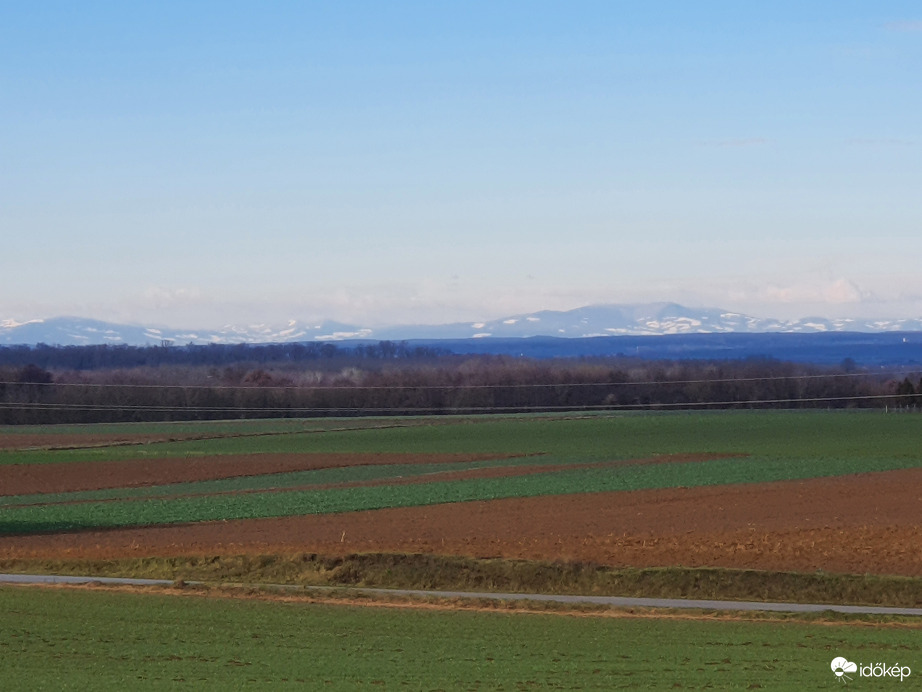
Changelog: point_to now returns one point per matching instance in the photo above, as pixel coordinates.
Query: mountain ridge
(636, 319)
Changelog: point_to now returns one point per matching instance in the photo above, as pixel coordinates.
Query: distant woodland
(84, 384)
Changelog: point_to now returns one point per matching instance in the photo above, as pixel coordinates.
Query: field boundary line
(205, 437)
(612, 601)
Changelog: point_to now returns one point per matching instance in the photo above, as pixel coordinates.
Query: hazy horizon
(211, 163)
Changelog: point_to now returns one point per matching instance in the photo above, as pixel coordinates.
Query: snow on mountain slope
(592, 320)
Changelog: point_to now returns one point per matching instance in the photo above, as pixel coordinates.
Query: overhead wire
(453, 408)
(417, 387)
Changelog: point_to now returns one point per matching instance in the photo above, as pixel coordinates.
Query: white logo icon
(840, 666)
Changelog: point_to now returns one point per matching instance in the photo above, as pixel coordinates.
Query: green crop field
(796, 434)
(255, 426)
(60, 639)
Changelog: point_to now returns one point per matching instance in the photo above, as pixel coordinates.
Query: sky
(199, 163)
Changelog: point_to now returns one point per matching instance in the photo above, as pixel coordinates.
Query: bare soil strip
(433, 477)
(24, 479)
(853, 524)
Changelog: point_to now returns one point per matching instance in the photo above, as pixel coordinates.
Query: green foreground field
(78, 639)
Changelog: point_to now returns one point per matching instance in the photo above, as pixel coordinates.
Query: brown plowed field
(863, 523)
(24, 479)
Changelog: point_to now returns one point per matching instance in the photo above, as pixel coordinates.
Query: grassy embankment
(447, 573)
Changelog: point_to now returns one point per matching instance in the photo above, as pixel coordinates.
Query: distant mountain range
(590, 321)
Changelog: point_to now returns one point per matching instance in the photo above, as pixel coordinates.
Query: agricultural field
(809, 506)
(53, 639)
(784, 491)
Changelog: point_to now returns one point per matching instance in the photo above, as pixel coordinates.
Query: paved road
(614, 601)
(61, 579)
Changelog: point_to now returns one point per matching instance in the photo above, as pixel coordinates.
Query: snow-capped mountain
(594, 320)
(78, 331)
(645, 319)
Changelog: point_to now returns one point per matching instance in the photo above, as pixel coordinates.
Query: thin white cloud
(164, 297)
(737, 143)
(881, 142)
(790, 297)
(837, 291)
(905, 26)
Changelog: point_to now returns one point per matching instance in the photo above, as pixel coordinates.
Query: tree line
(391, 380)
(109, 356)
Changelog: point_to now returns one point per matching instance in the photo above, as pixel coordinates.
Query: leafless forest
(109, 384)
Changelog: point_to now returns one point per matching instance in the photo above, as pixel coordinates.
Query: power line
(38, 406)
(423, 387)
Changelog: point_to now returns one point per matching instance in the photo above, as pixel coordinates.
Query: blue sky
(199, 163)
